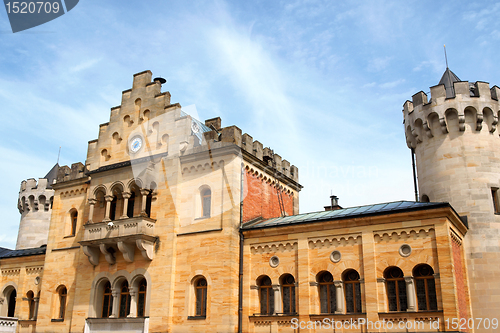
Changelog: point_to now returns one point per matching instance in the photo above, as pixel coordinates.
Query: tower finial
(445, 57)
(58, 154)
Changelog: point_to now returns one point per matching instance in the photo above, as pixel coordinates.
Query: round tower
(457, 148)
(35, 206)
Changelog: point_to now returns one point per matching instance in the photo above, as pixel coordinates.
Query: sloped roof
(6, 253)
(51, 175)
(352, 212)
(448, 79)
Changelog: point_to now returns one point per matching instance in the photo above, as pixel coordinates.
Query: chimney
(334, 201)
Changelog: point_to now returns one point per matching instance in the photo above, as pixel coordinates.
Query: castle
(178, 225)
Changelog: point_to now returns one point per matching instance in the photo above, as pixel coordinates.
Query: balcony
(122, 235)
(115, 325)
(8, 324)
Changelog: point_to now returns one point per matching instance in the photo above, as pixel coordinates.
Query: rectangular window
(494, 195)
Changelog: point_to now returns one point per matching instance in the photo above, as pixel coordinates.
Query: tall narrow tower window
(494, 195)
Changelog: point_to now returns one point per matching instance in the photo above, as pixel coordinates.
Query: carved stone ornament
(274, 261)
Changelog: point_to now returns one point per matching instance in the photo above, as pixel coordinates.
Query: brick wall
(460, 279)
(261, 199)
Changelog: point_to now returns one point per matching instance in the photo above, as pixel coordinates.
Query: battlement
(452, 108)
(35, 195)
(66, 173)
(233, 134)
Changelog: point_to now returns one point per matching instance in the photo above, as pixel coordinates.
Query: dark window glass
(425, 287)
(124, 300)
(63, 294)
(328, 300)
(266, 296)
(149, 200)
(141, 302)
(396, 289)
(201, 297)
(288, 288)
(352, 291)
(107, 302)
(112, 209)
(130, 207)
(12, 304)
(74, 219)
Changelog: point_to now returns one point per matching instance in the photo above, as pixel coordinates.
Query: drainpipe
(240, 287)
(414, 173)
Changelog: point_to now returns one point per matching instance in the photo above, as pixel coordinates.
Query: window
(107, 301)
(426, 287)
(201, 297)
(31, 304)
(266, 296)
(141, 302)
(206, 202)
(130, 207)
(11, 303)
(327, 298)
(149, 199)
(112, 208)
(396, 289)
(63, 295)
(352, 291)
(124, 300)
(288, 292)
(74, 219)
(494, 195)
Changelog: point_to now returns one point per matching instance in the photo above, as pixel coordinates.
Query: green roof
(352, 212)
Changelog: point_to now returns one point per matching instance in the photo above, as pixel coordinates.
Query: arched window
(63, 295)
(396, 289)
(201, 297)
(327, 297)
(112, 208)
(131, 202)
(99, 207)
(124, 300)
(11, 303)
(266, 296)
(352, 289)
(107, 301)
(288, 292)
(73, 219)
(425, 198)
(206, 202)
(149, 200)
(426, 287)
(31, 304)
(141, 301)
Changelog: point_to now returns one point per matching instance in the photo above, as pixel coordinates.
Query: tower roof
(448, 79)
(51, 175)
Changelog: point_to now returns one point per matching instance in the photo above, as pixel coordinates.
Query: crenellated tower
(457, 147)
(35, 205)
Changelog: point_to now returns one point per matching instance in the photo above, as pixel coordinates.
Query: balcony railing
(8, 324)
(121, 235)
(116, 325)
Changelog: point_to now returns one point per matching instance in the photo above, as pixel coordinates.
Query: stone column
(126, 196)
(144, 193)
(108, 199)
(133, 302)
(339, 293)
(115, 312)
(277, 298)
(35, 310)
(410, 294)
(92, 203)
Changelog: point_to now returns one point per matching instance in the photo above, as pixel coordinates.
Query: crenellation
(258, 150)
(247, 143)
(420, 98)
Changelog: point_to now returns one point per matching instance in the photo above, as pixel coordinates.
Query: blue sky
(320, 82)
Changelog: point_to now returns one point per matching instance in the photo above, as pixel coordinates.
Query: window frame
(270, 306)
(206, 197)
(429, 301)
(110, 300)
(396, 281)
(292, 297)
(127, 299)
(329, 285)
(63, 297)
(142, 283)
(355, 286)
